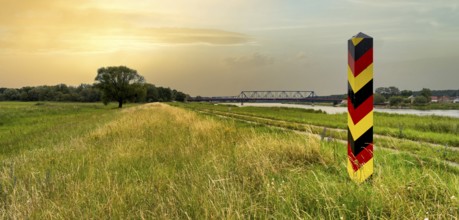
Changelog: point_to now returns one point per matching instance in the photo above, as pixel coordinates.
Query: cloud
(253, 60)
(196, 36)
(52, 26)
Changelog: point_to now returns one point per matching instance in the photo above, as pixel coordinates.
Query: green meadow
(433, 129)
(437, 136)
(184, 161)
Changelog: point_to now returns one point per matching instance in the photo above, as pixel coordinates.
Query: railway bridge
(269, 96)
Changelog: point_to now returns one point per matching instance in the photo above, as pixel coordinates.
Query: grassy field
(83, 161)
(26, 126)
(434, 129)
(424, 149)
(444, 106)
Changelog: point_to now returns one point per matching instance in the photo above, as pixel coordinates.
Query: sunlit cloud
(58, 27)
(205, 46)
(193, 36)
(109, 40)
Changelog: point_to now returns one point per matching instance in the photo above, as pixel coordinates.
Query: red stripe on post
(362, 63)
(358, 113)
(361, 158)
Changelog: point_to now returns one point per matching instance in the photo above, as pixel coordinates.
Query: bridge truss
(268, 96)
(276, 94)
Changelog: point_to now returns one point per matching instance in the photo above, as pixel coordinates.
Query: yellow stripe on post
(362, 79)
(361, 127)
(356, 40)
(365, 171)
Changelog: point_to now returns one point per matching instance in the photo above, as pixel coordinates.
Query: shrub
(395, 100)
(420, 100)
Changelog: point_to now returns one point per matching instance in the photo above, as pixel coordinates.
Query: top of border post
(361, 35)
(359, 38)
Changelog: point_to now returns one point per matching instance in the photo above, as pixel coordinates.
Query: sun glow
(230, 44)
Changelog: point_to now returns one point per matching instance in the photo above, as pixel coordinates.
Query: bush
(379, 99)
(395, 100)
(420, 100)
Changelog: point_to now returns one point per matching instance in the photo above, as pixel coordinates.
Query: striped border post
(360, 107)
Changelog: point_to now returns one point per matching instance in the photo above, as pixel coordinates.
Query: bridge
(269, 96)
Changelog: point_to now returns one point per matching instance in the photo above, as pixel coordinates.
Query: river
(337, 110)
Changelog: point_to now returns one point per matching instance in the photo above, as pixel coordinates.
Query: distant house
(444, 99)
(344, 102)
(434, 99)
(456, 100)
(411, 98)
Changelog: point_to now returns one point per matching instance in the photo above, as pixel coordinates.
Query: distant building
(456, 100)
(444, 99)
(411, 98)
(434, 99)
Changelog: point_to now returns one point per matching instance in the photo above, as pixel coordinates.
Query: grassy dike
(158, 161)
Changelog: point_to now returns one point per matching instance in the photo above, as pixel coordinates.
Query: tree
(87, 93)
(165, 94)
(152, 93)
(395, 100)
(181, 97)
(388, 92)
(393, 91)
(426, 93)
(378, 99)
(383, 91)
(420, 100)
(406, 93)
(118, 83)
(11, 94)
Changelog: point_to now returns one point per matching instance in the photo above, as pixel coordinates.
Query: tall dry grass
(157, 161)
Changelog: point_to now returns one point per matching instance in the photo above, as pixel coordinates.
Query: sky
(216, 48)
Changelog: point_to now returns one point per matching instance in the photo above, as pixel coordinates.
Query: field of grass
(433, 129)
(26, 126)
(83, 161)
(443, 106)
(435, 152)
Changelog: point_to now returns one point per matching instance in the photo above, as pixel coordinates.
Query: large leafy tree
(119, 83)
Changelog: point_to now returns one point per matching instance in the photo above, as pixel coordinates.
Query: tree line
(87, 93)
(114, 83)
(394, 97)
